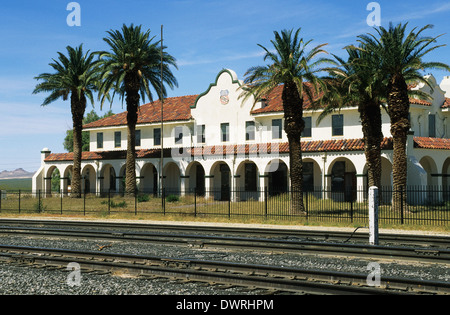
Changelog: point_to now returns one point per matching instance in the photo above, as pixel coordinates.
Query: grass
(200, 209)
(16, 184)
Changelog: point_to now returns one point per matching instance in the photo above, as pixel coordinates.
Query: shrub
(173, 198)
(143, 198)
(112, 204)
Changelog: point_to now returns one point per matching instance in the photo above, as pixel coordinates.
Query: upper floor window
(157, 136)
(307, 132)
(225, 132)
(250, 130)
(201, 134)
(178, 135)
(100, 140)
(337, 125)
(432, 126)
(138, 138)
(277, 127)
(117, 139)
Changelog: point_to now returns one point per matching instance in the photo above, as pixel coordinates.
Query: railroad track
(416, 254)
(357, 237)
(273, 279)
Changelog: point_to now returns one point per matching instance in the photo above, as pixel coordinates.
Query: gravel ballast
(43, 281)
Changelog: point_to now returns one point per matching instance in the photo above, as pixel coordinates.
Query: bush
(112, 204)
(39, 206)
(143, 198)
(173, 198)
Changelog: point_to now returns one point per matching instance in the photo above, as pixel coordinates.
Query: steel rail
(272, 278)
(256, 244)
(431, 241)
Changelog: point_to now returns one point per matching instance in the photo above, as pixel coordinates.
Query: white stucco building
(215, 143)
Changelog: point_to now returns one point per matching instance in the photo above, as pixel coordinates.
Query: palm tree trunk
(294, 125)
(78, 106)
(398, 102)
(370, 114)
(132, 100)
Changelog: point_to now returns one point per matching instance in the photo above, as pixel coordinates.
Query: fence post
(19, 202)
(265, 201)
(306, 204)
(373, 215)
(39, 202)
(84, 203)
(195, 202)
(136, 191)
(109, 201)
(164, 200)
(229, 205)
(401, 205)
(351, 210)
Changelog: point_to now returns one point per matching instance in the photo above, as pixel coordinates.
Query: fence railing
(419, 205)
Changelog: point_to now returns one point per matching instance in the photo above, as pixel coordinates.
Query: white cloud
(198, 60)
(20, 119)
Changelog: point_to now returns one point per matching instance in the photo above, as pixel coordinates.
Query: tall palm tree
(401, 58)
(353, 83)
(291, 65)
(76, 75)
(130, 69)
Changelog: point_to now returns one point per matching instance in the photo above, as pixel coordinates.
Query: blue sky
(204, 37)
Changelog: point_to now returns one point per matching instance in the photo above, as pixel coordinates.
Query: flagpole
(162, 124)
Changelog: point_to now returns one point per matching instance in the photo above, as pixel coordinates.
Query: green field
(16, 184)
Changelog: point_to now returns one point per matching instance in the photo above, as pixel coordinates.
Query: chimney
(45, 152)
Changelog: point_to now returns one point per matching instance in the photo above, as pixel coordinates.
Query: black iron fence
(418, 205)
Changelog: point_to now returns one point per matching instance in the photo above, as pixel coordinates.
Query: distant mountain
(18, 173)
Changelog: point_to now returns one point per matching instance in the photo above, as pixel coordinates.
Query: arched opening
(429, 166)
(53, 180)
(312, 175)
(108, 177)
(149, 179)
(122, 178)
(277, 177)
(247, 181)
(431, 191)
(196, 182)
(172, 179)
(446, 179)
(67, 179)
(343, 180)
(88, 179)
(221, 181)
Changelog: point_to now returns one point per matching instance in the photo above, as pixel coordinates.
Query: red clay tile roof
(275, 103)
(419, 102)
(266, 148)
(175, 108)
(179, 109)
(431, 143)
(307, 146)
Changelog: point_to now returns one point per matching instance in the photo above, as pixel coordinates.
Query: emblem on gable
(224, 98)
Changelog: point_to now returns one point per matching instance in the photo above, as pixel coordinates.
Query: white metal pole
(373, 215)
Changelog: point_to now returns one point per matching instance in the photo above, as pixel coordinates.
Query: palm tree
(131, 67)
(291, 66)
(352, 83)
(400, 61)
(76, 75)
